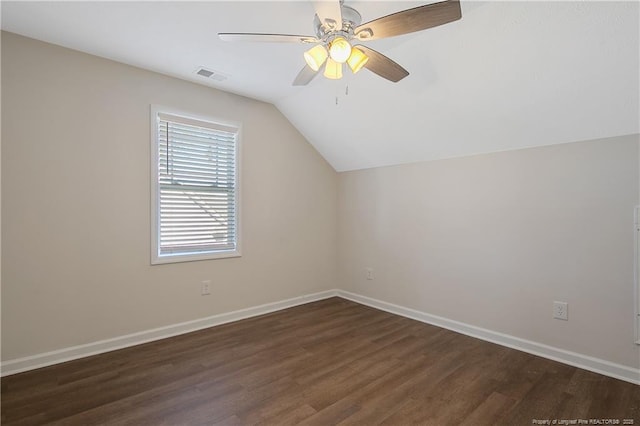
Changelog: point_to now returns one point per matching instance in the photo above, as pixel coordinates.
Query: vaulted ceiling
(508, 75)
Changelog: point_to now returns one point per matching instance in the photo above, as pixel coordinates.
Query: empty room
(320, 212)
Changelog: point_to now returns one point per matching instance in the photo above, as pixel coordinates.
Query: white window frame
(156, 258)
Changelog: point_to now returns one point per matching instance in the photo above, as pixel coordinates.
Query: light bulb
(316, 56)
(333, 70)
(357, 60)
(339, 49)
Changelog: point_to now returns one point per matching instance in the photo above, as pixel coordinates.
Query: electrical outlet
(368, 273)
(561, 310)
(205, 288)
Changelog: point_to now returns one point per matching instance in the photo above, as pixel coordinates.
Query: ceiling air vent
(214, 75)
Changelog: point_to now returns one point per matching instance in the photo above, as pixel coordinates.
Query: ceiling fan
(338, 28)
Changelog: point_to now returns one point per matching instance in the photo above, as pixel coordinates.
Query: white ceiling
(508, 75)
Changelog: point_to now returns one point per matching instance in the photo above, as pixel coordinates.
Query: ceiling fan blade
(410, 20)
(305, 76)
(269, 38)
(330, 13)
(383, 66)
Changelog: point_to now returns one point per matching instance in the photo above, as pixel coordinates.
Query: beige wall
(492, 240)
(0, 192)
(75, 211)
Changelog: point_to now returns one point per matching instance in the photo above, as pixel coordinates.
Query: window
(194, 188)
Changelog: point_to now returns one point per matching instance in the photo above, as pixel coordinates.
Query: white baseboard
(67, 354)
(585, 362)
(596, 365)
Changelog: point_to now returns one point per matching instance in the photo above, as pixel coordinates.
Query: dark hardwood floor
(323, 363)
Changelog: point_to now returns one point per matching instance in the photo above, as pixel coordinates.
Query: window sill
(179, 258)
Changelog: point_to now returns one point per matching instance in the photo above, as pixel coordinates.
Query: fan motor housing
(350, 20)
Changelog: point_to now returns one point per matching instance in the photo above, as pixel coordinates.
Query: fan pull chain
(346, 93)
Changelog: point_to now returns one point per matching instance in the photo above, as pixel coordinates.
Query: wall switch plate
(205, 288)
(368, 273)
(561, 310)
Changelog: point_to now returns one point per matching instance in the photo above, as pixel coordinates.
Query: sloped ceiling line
(508, 75)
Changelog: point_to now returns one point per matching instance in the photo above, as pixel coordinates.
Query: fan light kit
(337, 27)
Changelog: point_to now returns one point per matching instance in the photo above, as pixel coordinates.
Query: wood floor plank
(323, 363)
(491, 411)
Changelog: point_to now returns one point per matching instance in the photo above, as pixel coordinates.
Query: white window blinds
(196, 187)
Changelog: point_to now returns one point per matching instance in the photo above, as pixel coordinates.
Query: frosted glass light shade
(339, 49)
(357, 60)
(316, 56)
(333, 70)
